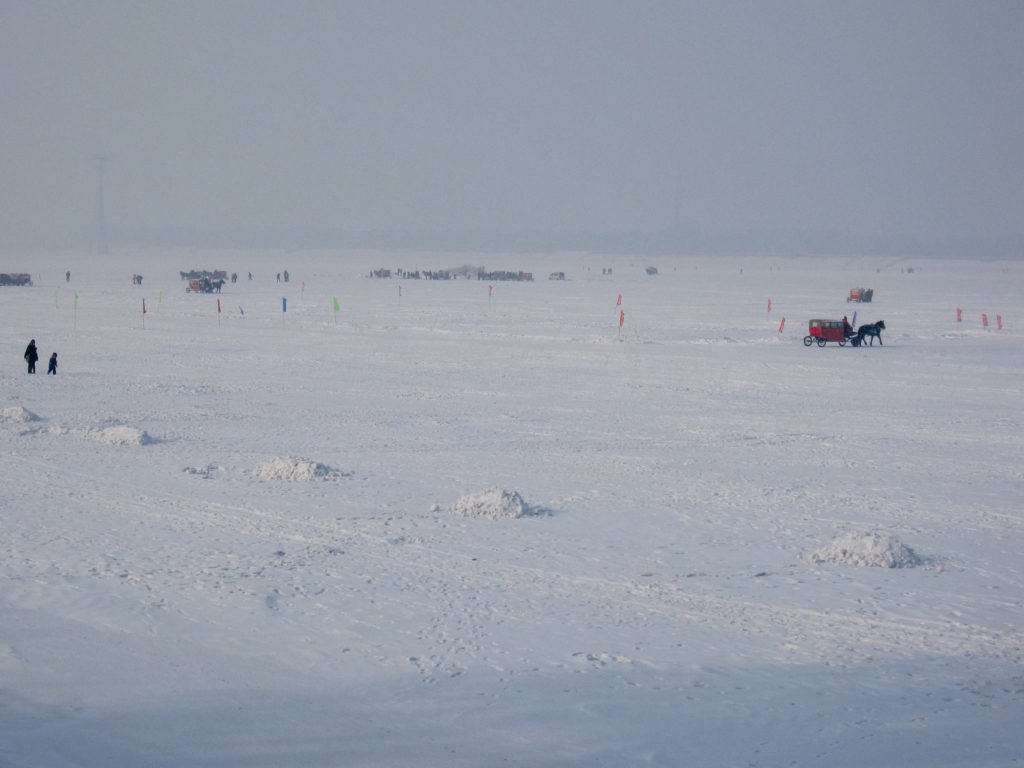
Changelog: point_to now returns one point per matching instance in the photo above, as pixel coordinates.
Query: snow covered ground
(448, 528)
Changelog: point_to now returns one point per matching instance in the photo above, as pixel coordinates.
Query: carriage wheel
(842, 342)
(821, 341)
(807, 341)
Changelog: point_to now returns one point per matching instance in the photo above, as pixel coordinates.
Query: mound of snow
(17, 414)
(493, 503)
(116, 435)
(295, 469)
(867, 549)
(208, 471)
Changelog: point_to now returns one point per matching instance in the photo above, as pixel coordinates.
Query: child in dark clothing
(53, 364)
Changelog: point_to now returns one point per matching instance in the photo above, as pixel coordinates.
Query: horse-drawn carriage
(823, 331)
(204, 285)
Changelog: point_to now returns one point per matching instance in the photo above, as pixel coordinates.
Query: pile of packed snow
(287, 468)
(17, 414)
(867, 549)
(208, 471)
(114, 435)
(494, 503)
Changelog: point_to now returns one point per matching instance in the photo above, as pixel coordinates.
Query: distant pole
(102, 249)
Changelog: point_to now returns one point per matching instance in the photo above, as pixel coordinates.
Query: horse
(870, 331)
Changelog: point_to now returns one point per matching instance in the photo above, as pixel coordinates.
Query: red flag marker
(622, 318)
(618, 301)
(769, 305)
(999, 322)
(959, 315)
(984, 320)
(782, 324)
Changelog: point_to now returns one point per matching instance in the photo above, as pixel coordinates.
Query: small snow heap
(18, 414)
(867, 549)
(287, 468)
(116, 435)
(208, 471)
(493, 503)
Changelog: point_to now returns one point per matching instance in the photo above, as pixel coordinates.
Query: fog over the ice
(559, 122)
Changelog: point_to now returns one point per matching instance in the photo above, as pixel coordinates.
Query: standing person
(31, 356)
(67, 276)
(279, 277)
(847, 328)
(53, 365)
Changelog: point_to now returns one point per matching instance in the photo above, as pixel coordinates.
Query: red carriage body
(824, 331)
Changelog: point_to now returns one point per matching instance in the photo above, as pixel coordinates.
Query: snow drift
(118, 435)
(867, 549)
(17, 414)
(494, 504)
(287, 468)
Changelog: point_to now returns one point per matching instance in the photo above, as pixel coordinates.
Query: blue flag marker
(284, 304)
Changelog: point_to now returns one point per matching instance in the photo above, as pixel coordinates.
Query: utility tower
(102, 249)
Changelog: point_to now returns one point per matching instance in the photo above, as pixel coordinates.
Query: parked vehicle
(15, 278)
(861, 294)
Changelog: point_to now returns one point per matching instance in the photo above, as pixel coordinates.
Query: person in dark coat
(53, 364)
(31, 356)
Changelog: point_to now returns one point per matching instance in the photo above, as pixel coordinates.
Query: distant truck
(15, 278)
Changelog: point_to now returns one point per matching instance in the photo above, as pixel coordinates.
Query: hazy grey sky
(856, 117)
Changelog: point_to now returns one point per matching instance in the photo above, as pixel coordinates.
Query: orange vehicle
(204, 285)
(824, 331)
(861, 295)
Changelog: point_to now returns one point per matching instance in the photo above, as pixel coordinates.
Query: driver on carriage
(847, 328)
